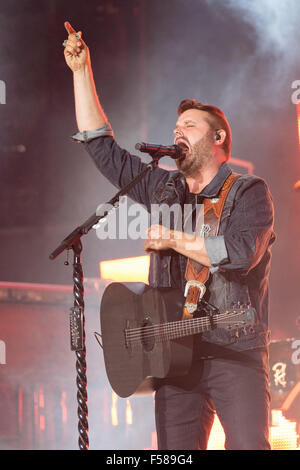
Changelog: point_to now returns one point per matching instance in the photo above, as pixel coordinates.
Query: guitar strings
(180, 323)
(172, 329)
(164, 335)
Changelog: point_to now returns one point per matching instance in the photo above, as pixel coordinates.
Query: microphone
(173, 151)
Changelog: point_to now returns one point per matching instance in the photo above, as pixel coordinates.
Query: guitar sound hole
(147, 336)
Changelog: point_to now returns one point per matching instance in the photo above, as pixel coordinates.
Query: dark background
(147, 56)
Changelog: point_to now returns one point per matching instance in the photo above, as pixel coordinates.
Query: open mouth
(184, 147)
(182, 144)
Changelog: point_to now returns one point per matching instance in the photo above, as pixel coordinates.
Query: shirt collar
(213, 188)
(210, 190)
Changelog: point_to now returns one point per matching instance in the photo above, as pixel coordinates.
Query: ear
(220, 137)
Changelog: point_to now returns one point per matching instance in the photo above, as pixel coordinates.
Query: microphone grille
(178, 153)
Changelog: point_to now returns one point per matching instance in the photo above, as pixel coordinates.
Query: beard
(198, 157)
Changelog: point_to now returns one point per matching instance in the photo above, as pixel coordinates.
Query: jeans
(236, 387)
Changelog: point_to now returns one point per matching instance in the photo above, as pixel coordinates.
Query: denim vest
(224, 288)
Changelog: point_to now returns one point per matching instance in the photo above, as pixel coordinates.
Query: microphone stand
(77, 319)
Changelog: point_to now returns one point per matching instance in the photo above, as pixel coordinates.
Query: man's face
(196, 138)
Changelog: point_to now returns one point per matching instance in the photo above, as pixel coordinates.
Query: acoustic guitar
(144, 337)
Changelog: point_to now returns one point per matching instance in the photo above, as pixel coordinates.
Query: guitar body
(144, 337)
(132, 366)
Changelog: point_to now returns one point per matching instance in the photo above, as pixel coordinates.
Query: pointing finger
(69, 28)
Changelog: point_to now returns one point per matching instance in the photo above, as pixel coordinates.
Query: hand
(159, 238)
(76, 51)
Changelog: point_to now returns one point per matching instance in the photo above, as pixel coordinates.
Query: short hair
(216, 119)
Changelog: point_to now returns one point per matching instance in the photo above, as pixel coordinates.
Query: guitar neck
(173, 330)
(181, 328)
(178, 329)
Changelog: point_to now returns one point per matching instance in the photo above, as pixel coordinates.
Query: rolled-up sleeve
(249, 231)
(87, 136)
(216, 250)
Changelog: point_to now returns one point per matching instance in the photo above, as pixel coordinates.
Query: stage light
(217, 436)
(283, 435)
(114, 410)
(64, 409)
(129, 414)
(126, 269)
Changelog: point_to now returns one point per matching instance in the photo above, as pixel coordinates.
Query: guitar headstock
(239, 317)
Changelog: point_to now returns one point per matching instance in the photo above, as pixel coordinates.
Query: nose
(177, 132)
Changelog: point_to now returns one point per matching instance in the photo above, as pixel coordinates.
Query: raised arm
(114, 162)
(89, 113)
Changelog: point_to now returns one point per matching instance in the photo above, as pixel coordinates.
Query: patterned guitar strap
(197, 274)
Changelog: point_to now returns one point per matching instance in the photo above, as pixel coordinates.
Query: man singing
(228, 264)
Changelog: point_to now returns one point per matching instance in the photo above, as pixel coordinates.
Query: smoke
(274, 60)
(276, 24)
